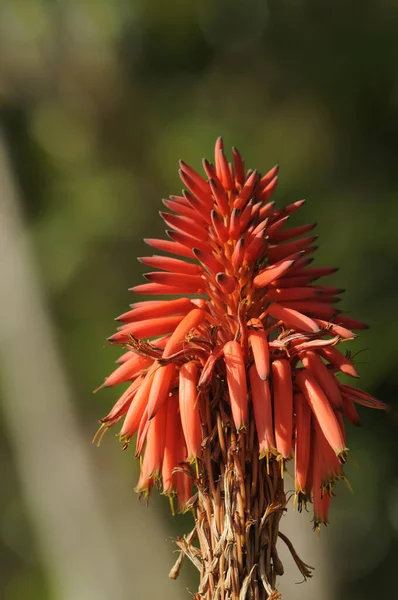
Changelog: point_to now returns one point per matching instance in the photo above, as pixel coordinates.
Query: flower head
(242, 368)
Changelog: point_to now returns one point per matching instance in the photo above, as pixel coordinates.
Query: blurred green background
(99, 100)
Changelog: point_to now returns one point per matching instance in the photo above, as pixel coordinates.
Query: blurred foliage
(99, 100)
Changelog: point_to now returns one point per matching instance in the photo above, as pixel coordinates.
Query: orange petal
(278, 224)
(268, 191)
(350, 323)
(184, 209)
(209, 261)
(219, 145)
(189, 284)
(155, 446)
(314, 364)
(189, 409)
(238, 253)
(329, 289)
(262, 405)
(239, 166)
(293, 293)
(247, 191)
(200, 182)
(190, 321)
(363, 398)
(340, 418)
(226, 282)
(292, 318)
(142, 433)
(302, 446)
(171, 454)
(220, 196)
(219, 227)
(169, 246)
(144, 485)
(322, 410)
(255, 247)
(157, 308)
(343, 332)
(294, 232)
(268, 177)
(181, 481)
(203, 196)
(321, 499)
(138, 406)
(283, 406)
(171, 264)
(321, 503)
(223, 172)
(146, 329)
(339, 361)
(300, 261)
(151, 289)
(202, 210)
(210, 170)
(160, 388)
(312, 308)
(247, 214)
(237, 385)
(259, 344)
(266, 210)
(276, 253)
(125, 357)
(329, 463)
(188, 240)
(349, 411)
(184, 490)
(269, 274)
(293, 281)
(122, 405)
(317, 272)
(181, 200)
(186, 225)
(292, 208)
(127, 370)
(259, 228)
(234, 225)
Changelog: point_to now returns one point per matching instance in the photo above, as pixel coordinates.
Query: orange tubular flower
(243, 364)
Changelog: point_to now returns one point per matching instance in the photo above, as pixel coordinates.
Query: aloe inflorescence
(236, 375)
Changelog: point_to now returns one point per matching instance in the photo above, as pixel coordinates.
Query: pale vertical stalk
(84, 556)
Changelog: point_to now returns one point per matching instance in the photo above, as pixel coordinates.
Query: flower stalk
(240, 376)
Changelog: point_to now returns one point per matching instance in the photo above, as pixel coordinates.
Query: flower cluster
(245, 356)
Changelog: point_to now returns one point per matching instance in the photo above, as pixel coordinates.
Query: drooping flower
(236, 374)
